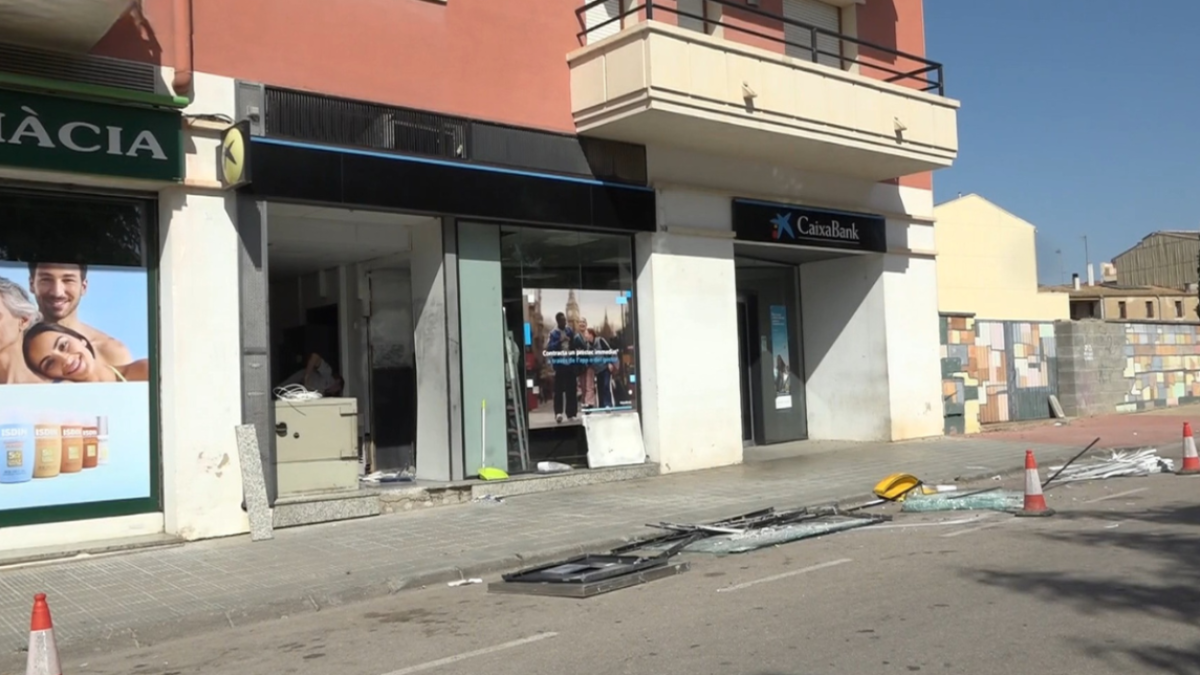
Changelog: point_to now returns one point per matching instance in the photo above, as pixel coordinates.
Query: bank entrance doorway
(770, 359)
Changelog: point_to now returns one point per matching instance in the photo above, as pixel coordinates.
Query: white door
(605, 13)
(799, 38)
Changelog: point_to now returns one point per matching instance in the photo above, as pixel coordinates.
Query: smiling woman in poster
(60, 353)
(17, 314)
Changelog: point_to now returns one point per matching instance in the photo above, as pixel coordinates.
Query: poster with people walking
(74, 384)
(579, 351)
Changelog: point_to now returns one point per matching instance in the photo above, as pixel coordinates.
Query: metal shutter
(696, 9)
(799, 39)
(598, 14)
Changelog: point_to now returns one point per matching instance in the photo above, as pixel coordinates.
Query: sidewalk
(115, 602)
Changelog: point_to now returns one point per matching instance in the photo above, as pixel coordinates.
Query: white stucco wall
(688, 365)
(870, 326)
(913, 346)
(845, 336)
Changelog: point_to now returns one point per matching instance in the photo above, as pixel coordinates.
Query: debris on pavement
(724, 544)
(982, 500)
(1119, 463)
(464, 582)
(488, 499)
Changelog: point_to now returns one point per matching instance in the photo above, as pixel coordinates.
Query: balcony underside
(661, 85)
(60, 25)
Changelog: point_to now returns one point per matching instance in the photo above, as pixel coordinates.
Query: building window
(569, 314)
(1149, 309)
(1121, 312)
(76, 299)
(1178, 309)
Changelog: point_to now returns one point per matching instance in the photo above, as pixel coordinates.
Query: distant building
(987, 264)
(1166, 258)
(1119, 302)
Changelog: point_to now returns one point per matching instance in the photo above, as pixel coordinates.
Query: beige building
(1113, 302)
(987, 264)
(1167, 258)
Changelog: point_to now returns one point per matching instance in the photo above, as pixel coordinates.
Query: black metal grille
(338, 121)
(81, 69)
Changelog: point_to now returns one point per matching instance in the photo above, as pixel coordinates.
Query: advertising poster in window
(74, 384)
(579, 354)
(781, 358)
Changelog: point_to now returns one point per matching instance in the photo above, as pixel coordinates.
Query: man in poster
(561, 340)
(58, 289)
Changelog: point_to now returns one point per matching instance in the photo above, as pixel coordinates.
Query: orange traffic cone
(43, 653)
(1191, 461)
(1035, 501)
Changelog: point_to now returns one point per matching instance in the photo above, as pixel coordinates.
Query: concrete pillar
(688, 351)
(913, 347)
(430, 355)
(200, 365)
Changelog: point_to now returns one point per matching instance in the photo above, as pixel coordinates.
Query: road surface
(1108, 586)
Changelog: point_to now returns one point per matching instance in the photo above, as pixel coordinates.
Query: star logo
(233, 155)
(780, 225)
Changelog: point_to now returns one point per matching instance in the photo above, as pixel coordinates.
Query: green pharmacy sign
(52, 133)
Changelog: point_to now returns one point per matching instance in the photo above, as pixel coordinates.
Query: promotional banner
(74, 384)
(579, 354)
(781, 357)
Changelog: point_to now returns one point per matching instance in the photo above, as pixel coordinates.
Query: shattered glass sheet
(1119, 463)
(995, 500)
(723, 544)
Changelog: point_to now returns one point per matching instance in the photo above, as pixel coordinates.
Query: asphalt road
(1109, 585)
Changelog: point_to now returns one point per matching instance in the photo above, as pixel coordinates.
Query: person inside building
(317, 375)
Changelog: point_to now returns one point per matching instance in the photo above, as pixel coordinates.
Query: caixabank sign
(54, 133)
(768, 222)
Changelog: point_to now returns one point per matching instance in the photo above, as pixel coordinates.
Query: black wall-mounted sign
(801, 226)
(302, 172)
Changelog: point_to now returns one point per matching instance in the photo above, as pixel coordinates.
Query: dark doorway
(747, 363)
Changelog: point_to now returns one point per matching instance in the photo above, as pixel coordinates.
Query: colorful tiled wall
(995, 371)
(960, 388)
(1162, 365)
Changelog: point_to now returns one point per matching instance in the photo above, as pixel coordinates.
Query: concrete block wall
(1091, 367)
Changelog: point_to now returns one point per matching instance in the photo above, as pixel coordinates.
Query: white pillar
(688, 343)
(913, 347)
(429, 353)
(199, 365)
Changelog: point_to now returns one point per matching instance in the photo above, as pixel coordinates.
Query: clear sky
(1080, 116)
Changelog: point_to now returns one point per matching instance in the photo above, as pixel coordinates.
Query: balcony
(62, 25)
(735, 80)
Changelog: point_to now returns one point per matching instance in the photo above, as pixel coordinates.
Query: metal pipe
(182, 16)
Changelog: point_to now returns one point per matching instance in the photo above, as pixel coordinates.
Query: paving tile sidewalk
(107, 603)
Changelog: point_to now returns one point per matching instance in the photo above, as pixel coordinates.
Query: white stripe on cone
(43, 654)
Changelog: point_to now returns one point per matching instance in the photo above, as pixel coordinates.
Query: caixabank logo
(808, 228)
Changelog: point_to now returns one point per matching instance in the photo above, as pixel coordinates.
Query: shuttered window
(691, 15)
(799, 38)
(598, 14)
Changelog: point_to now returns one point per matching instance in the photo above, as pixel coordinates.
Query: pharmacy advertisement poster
(579, 354)
(74, 385)
(781, 358)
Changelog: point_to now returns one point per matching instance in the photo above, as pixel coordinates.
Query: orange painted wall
(503, 60)
(898, 25)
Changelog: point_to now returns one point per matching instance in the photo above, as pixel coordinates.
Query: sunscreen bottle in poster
(72, 446)
(16, 448)
(102, 439)
(91, 443)
(47, 445)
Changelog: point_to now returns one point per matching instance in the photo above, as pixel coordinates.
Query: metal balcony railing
(822, 46)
